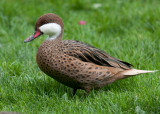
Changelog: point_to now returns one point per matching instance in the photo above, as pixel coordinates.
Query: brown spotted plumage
(73, 63)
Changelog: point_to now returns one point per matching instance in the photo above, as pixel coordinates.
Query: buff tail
(136, 71)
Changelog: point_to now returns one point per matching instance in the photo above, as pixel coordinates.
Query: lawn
(126, 29)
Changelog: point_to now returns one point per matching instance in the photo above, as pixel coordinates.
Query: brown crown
(48, 18)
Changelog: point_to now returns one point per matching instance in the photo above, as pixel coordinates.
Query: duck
(73, 63)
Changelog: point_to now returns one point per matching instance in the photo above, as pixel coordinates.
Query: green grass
(126, 29)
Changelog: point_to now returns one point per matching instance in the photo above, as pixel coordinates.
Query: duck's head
(49, 24)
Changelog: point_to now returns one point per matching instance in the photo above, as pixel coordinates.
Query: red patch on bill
(37, 34)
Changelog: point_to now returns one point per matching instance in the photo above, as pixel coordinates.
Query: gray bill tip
(29, 39)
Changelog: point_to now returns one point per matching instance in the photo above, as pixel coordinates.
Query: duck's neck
(56, 39)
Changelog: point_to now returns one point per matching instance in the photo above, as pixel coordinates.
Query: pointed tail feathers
(136, 71)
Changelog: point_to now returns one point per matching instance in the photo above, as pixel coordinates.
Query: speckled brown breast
(52, 61)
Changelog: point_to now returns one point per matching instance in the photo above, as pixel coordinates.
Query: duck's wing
(91, 54)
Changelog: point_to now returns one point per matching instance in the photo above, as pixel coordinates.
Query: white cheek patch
(51, 29)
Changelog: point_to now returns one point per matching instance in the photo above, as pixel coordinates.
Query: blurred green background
(126, 29)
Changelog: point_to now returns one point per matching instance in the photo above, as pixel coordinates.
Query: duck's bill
(33, 36)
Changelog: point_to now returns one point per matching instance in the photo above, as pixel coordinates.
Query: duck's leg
(74, 91)
(88, 89)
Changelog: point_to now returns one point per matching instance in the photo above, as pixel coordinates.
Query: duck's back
(88, 53)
